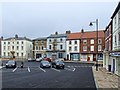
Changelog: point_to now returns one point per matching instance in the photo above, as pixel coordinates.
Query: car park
(11, 64)
(45, 64)
(58, 64)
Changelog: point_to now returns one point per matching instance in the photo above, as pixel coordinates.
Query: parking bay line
(72, 69)
(1, 67)
(42, 69)
(55, 69)
(28, 69)
(14, 69)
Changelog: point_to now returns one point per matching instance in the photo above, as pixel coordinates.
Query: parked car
(31, 59)
(11, 63)
(45, 64)
(58, 64)
(48, 59)
(39, 59)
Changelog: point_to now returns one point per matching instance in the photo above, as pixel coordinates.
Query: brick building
(88, 45)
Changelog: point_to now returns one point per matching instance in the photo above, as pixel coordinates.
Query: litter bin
(109, 68)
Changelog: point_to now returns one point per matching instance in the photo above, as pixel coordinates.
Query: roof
(72, 36)
(40, 38)
(92, 34)
(116, 10)
(87, 34)
(19, 38)
(57, 35)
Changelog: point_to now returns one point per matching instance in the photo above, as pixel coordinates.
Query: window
(22, 54)
(70, 48)
(99, 48)
(84, 41)
(4, 54)
(84, 48)
(75, 48)
(119, 37)
(36, 47)
(61, 39)
(8, 47)
(100, 56)
(115, 21)
(17, 47)
(42, 47)
(115, 40)
(8, 54)
(50, 47)
(22, 42)
(17, 54)
(4, 48)
(17, 42)
(99, 41)
(49, 40)
(60, 55)
(36, 42)
(12, 47)
(70, 42)
(8, 42)
(21, 47)
(4, 42)
(75, 42)
(119, 17)
(42, 42)
(91, 48)
(61, 46)
(92, 41)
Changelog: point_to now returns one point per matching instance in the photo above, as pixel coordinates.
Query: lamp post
(91, 24)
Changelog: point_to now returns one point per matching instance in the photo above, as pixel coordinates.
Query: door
(113, 69)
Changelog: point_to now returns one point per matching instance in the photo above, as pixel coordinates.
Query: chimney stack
(82, 30)
(68, 32)
(16, 36)
(56, 33)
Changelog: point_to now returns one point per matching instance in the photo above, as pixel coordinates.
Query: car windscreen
(11, 62)
(45, 62)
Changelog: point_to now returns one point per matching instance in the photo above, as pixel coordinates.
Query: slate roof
(57, 35)
(18, 38)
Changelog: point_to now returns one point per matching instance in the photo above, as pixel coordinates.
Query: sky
(40, 19)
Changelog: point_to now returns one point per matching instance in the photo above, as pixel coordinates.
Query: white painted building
(115, 62)
(73, 46)
(20, 46)
(56, 44)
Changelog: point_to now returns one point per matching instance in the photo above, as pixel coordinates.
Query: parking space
(32, 68)
(33, 76)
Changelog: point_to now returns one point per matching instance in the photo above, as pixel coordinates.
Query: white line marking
(14, 69)
(68, 66)
(1, 67)
(42, 69)
(55, 69)
(28, 69)
(72, 69)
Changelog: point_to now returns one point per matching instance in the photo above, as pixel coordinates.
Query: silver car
(45, 64)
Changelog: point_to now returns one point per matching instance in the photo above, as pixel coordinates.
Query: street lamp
(91, 24)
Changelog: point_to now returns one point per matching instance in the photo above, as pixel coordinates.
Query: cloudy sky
(39, 19)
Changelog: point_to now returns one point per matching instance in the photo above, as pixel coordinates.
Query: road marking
(42, 69)
(28, 69)
(55, 69)
(15, 69)
(72, 69)
(1, 67)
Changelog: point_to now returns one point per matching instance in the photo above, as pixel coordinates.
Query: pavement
(105, 79)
